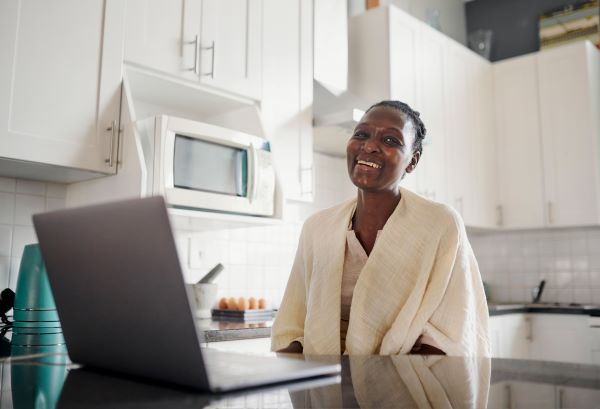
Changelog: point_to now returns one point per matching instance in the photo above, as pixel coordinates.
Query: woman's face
(380, 151)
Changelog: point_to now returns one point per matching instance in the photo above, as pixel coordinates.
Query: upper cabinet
(215, 42)
(60, 83)
(569, 93)
(287, 96)
(548, 137)
(518, 153)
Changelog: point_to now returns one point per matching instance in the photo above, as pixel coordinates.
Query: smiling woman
(388, 272)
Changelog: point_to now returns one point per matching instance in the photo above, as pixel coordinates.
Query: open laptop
(124, 306)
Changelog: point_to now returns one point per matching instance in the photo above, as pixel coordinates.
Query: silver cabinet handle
(561, 397)
(500, 215)
(212, 62)
(550, 216)
(529, 336)
(509, 404)
(196, 44)
(113, 129)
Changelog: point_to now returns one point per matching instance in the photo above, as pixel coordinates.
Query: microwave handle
(254, 167)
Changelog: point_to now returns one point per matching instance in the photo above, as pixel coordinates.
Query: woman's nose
(370, 145)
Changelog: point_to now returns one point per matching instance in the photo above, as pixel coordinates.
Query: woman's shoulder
(331, 215)
(436, 212)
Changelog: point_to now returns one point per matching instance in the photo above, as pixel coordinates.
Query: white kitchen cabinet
(510, 336)
(431, 179)
(286, 106)
(570, 397)
(458, 107)
(156, 31)
(215, 42)
(484, 186)
(60, 83)
(563, 338)
(569, 89)
(519, 157)
(548, 137)
(531, 395)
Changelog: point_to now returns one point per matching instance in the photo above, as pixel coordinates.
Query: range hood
(335, 116)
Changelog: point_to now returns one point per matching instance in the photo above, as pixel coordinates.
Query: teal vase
(36, 321)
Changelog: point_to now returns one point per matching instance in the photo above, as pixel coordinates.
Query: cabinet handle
(550, 216)
(508, 397)
(561, 396)
(113, 129)
(499, 215)
(196, 44)
(212, 62)
(529, 336)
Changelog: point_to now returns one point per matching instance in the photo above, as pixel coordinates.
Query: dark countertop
(544, 308)
(365, 382)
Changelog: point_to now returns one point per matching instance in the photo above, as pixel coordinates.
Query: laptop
(124, 306)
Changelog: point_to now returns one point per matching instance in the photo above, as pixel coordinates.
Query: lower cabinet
(255, 346)
(531, 395)
(565, 338)
(510, 336)
(542, 337)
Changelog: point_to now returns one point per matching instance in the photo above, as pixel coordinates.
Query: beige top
(421, 278)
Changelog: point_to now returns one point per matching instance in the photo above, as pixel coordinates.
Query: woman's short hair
(413, 115)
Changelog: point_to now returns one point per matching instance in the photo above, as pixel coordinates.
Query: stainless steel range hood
(334, 119)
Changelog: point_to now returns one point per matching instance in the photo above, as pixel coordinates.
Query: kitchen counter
(365, 382)
(215, 330)
(544, 308)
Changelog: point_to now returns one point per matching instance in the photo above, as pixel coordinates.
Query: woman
(389, 272)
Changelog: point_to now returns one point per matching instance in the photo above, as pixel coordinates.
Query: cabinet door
(482, 184)
(570, 134)
(518, 160)
(60, 82)
(231, 45)
(569, 397)
(531, 395)
(287, 96)
(160, 34)
(563, 338)
(458, 149)
(431, 171)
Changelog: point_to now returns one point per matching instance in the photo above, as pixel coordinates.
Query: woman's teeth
(371, 164)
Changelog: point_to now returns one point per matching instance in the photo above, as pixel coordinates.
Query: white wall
(449, 13)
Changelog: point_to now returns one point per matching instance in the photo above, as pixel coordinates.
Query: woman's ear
(413, 162)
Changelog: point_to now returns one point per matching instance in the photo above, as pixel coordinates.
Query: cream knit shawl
(420, 278)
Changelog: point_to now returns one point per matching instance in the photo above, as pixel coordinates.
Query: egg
(223, 303)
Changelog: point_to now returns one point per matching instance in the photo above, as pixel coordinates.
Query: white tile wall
(515, 262)
(19, 200)
(258, 260)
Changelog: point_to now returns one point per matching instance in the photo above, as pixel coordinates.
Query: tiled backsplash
(512, 263)
(19, 200)
(258, 260)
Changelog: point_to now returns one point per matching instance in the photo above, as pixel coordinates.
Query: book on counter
(243, 315)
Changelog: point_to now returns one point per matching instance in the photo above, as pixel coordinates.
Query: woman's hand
(294, 348)
(424, 349)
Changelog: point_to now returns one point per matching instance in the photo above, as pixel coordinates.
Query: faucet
(536, 292)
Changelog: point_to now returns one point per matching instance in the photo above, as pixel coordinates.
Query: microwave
(200, 166)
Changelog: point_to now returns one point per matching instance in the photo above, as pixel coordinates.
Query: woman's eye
(360, 135)
(392, 140)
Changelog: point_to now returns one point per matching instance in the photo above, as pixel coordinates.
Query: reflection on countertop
(365, 382)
